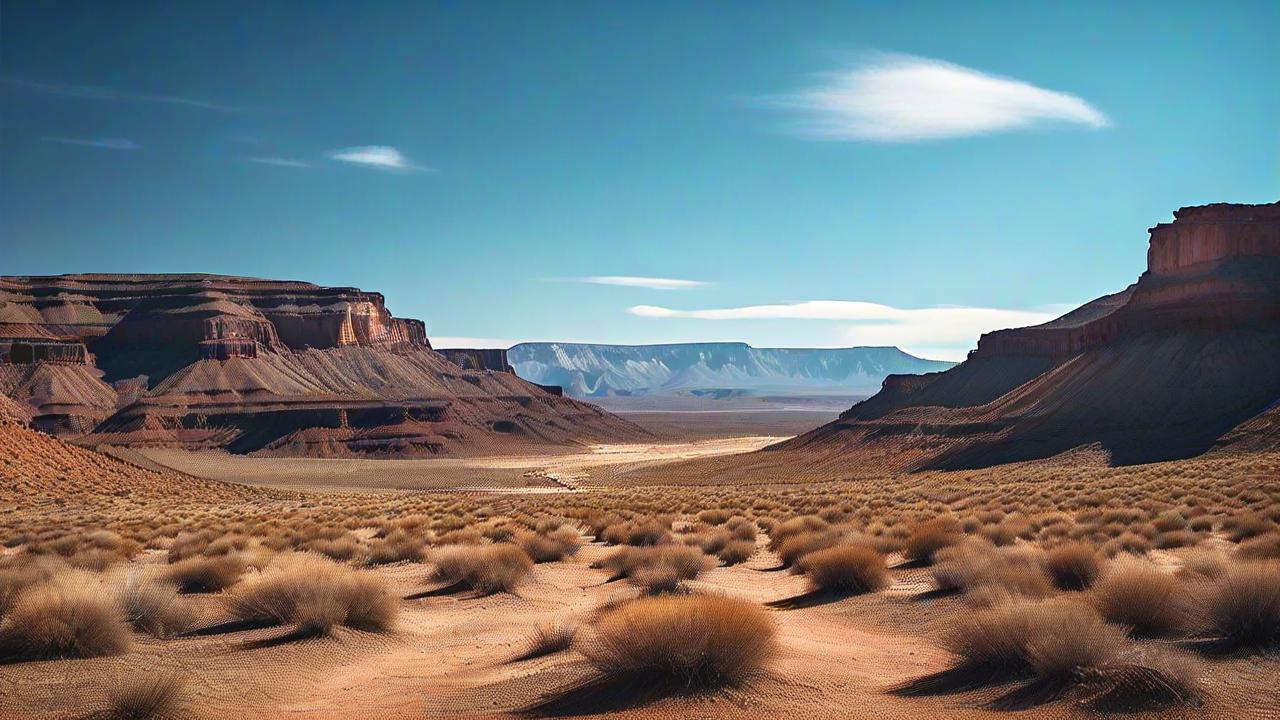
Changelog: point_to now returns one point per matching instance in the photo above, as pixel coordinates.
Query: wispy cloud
(95, 92)
(943, 331)
(903, 98)
(100, 143)
(651, 283)
(380, 157)
(447, 341)
(280, 162)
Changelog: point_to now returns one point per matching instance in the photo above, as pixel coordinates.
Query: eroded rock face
(1160, 370)
(259, 366)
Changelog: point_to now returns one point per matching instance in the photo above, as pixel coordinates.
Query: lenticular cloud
(902, 98)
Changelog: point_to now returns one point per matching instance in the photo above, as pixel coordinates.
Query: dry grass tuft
(206, 574)
(845, 569)
(1073, 566)
(315, 594)
(928, 538)
(684, 640)
(548, 640)
(1138, 595)
(68, 617)
(145, 696)
(1241, 607)
(486, 569)
(155, 608)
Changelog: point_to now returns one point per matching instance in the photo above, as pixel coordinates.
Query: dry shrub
(989, 574)
(714, 517)
(928, 538)
(794, 526)
(485, 569)
(1176, 539)
(1138, 595)
(17, 573)
(206, 574)
(1241, 607)
(396, 546)
(465, 536)
(742, 528)
(1142, 678)
(1260, 547)
(737, 551)
(658, 569)
(154, 607)
(548, 639)
(1058, 646)
(67, 617)
(1064, 637)
(1127, 542)
(315, 594)
(1246, 525)
(145, 696)
(798, 545)
(683, 640)
(845, 569)
(555, 545)
(1073, 566)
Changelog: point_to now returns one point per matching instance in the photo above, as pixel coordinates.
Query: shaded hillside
(587, 370)
(260, 366)
(1161, 370)
(42, 473)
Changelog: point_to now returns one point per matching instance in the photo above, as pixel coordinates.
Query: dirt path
(534, 473)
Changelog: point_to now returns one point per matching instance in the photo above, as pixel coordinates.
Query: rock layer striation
(1161, 370)
(261, 366)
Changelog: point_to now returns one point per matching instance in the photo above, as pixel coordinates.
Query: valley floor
(451, 655)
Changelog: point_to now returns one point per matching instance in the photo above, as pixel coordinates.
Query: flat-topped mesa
(1214, 266)
(146, 323)
(262, 366)
(494, 360)
(1205, 234)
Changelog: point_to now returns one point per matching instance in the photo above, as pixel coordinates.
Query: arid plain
(939, 551)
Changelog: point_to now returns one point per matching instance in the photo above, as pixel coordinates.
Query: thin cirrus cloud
(280, 162)
(96, 92)
(378, 157)
(943, 331)
(99, 143)
(904, 98)
(651, 283)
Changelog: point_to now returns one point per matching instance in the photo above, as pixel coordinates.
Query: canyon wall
(1160, 370)
(262, 366)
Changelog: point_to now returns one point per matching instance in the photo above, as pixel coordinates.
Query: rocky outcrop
(1160, 370)
(472, 359)
(261, 366)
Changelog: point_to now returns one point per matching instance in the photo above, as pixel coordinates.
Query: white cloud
(280, 162)
(651, 283)
(445, 342)
(94, 92)
(382, 157)
(903, 98)
(100, 143)
(943, 332)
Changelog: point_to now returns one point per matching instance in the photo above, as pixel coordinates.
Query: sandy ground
(520, 473)
(449, 657)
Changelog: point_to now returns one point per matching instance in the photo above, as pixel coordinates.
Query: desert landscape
(639, 361)
(1013, 534)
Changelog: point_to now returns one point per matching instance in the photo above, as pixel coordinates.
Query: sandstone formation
(1163, 369)
(259, 366)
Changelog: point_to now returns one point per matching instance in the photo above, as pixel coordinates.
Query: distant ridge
(600, 370)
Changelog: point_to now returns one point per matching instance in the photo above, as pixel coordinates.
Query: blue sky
(826, 174)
